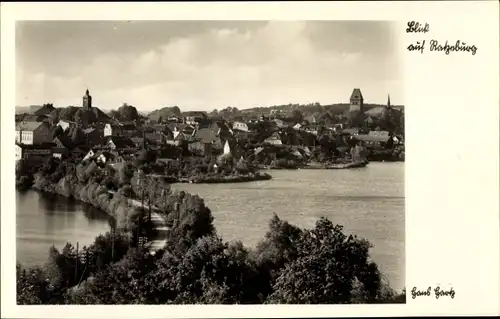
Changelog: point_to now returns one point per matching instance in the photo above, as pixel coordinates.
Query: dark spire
(87, 92)
(388, 101)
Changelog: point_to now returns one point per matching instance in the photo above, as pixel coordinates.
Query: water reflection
(43, 220)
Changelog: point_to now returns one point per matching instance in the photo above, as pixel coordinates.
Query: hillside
(164, 113)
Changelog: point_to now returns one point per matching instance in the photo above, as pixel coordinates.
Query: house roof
(379, 133)
(205, 135)
(107, 154)
(274, 135)
(121, 141)
(88, 130)
(64, 141)
(155, 136)
(352, 131)
(371, 138)
(28, 125)
(258, 150)
(356, 94)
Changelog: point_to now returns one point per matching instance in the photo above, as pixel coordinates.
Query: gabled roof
(121, 141)
(28, 125)
(205, 135)
(274, 135)
(63, 141)
(88, 130)
(371, 138)
(352, 131)
(379, 133)
(356, 95)
(155, 136)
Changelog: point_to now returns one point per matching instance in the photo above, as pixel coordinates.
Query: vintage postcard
(250, 159)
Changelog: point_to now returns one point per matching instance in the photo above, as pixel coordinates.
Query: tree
(328, 264)
(297, 116)
(32, 286)
(127, 113)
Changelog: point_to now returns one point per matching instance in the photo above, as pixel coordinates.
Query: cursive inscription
(435, 45)
(437, 292)
(416, 27)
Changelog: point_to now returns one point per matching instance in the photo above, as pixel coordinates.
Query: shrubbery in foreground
(290, 265)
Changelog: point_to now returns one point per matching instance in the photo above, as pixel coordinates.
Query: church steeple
(388, 101)
(87, 92)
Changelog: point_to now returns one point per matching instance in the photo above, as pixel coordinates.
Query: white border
(452, 105)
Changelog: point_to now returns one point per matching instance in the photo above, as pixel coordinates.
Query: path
(159, 223)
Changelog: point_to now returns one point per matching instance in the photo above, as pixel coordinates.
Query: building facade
(356, 102)
(33, 133)
(86, 108)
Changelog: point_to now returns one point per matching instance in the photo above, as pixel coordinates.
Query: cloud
(279, 62)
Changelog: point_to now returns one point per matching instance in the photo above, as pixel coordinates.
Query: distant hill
(164, 113)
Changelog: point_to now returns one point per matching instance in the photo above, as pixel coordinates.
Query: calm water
(368, 202)
(44, 220)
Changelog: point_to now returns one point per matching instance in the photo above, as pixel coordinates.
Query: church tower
(87, 101)
(388, 102)
(86, 108)
(356, 102)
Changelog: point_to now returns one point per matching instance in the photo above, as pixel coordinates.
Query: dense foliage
(290, 265)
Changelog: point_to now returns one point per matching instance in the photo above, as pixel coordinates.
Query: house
(181, 127)
(221, 129)
(297, 126)
(240, 126)
(89, 155)
(62, 146)
(92, 136)
(358, 154)
(156, 138)
(122, 129)
(280, 123)
(227, 148)
(312, 128)
(119, 142)
(33, 133)
(195, 117)
(274, 139)
(106, 157)
(351, 131)
(65, 125)
(178, 139)
(38, 152)
(373, 141)
(385, 134)
(337, 127)
(205, 139)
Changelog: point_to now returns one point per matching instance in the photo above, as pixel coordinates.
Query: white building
(227, 148)
(33, 133)
(240, 126)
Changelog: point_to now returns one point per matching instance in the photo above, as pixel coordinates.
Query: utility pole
(76, 263)
(113, 243)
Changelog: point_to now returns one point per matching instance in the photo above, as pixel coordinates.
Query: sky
(205, 65)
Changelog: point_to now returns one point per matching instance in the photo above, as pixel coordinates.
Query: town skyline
(242, 64)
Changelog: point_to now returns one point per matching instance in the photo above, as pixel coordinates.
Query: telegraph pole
(76, 262)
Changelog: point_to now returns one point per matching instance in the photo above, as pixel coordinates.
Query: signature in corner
(437, 292)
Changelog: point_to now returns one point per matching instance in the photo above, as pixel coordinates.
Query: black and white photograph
(212, 162)
(223, 160)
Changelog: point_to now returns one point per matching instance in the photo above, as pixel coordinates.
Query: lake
(43, 220)
(368, 202)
